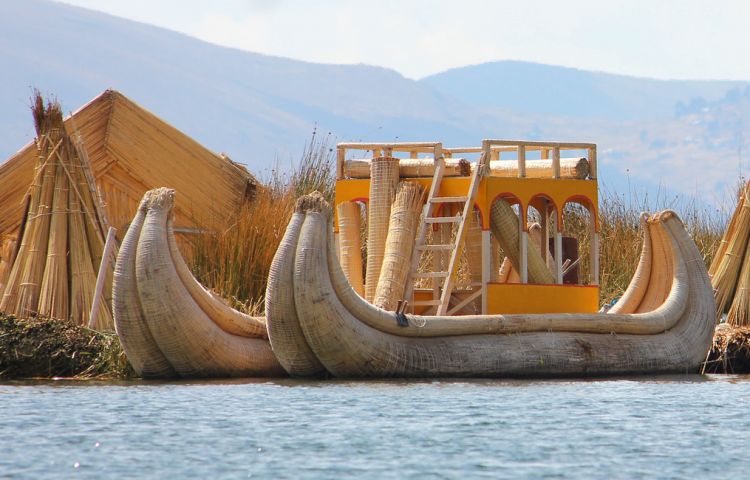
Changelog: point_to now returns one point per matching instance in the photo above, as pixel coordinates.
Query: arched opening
(506, 239)
(579, 242)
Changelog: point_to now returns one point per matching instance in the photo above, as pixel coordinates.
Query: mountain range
(682, 136)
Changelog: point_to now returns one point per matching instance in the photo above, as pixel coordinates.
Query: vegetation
(234, 259)
(46, 347)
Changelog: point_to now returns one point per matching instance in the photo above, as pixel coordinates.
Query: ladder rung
(455, 219)
(425, 303)
(448, 246)
(448, 199)
(430, 274)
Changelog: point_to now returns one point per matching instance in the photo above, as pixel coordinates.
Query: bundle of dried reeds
(62, 235)
(504, 226)
(350, 243)
(577, 168)
(7, 250)
(402, 231)
(728, 262)
(384, 174)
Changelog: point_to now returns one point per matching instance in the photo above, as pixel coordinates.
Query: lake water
(655, 427)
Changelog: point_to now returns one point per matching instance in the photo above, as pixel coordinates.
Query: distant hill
(261, 109)
(544, 89)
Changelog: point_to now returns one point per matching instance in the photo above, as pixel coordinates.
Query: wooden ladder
(445, 280)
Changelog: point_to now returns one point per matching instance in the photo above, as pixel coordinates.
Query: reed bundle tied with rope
(53, 273)
(402, 231)
(727, 268)
(384, 174)
(504, 224)
(576, 168)
(350, 243)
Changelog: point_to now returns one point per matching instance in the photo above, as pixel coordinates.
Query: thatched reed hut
(132, 151)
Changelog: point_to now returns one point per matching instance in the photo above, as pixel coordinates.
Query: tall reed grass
(620, 235)
(234, 258)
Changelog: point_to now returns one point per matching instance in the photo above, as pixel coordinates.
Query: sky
(676, 39)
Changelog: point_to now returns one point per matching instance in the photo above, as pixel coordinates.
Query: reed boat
(663, 323)
(168, 323)
(321, 322)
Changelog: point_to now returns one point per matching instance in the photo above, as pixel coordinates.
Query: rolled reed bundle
(62, 238)
(410, 167)
(577, 168)
(473, 247)
(21, 295)
(350, 244)
(507, 273)
(738, 314)
(504, 224)
(725, 268)
(7, 248)
(728, 234)
(535, 235)
(402, 231)
(54, 298)
(383, 184)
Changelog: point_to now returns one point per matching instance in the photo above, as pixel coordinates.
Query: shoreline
(45, 349)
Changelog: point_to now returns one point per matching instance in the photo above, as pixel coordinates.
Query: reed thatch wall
(132, 151)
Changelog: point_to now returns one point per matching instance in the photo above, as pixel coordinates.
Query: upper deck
(540, 179)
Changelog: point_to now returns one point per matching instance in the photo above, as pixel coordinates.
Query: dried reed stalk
(402, 231)
(739, 314)
(350, 243)
(54, 295)
(7, 249)
(21, 295)
(727, 263)
(383, 184)
(54, 272)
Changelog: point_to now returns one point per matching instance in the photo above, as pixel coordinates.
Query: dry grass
(730, 351)
(621, 237)
(234, 258)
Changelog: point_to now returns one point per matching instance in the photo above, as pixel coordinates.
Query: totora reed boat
(663, 323)
(472, 270)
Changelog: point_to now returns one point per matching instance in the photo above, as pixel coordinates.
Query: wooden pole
(107, 255)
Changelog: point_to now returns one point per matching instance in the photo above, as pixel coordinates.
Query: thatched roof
(133, 151)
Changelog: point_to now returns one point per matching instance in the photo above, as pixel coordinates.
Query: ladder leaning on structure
(444, 280)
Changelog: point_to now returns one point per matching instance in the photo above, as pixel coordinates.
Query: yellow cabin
(470, 254)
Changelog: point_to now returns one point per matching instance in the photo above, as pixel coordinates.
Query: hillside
(544, 89)
(260, 110)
